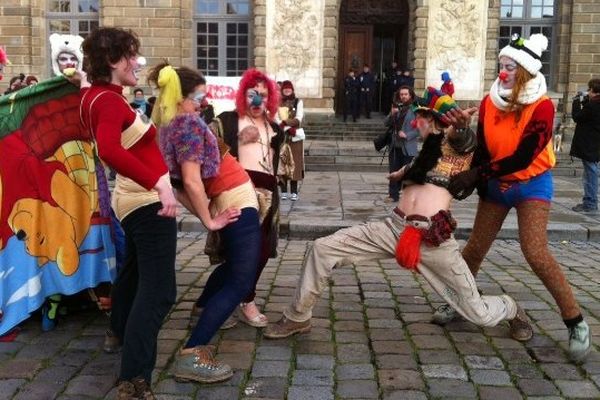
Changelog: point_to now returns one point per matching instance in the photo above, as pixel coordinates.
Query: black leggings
(144, 290)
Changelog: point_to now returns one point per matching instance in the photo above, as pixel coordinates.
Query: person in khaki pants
(418, 233)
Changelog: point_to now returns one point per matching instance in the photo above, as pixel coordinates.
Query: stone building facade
(313, 42)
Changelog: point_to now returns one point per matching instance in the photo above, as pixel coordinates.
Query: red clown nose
(503, 75)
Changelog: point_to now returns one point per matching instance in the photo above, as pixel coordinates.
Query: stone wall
(584, 47)
(20, 36)
(166, 31)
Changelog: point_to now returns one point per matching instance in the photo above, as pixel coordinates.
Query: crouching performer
(418, 233)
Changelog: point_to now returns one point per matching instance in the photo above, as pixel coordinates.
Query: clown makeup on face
(424, 123)
(125, 71)
(256, 109)
(287, 92)
(508, 72)
(67, 60)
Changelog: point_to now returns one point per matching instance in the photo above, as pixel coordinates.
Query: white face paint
(67, 60)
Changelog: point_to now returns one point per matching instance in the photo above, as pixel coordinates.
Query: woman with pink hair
(254, 139)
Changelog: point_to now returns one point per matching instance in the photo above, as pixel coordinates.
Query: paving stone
(499, 393)
(217, 393)
(265, 388)
(444, 371)
(392, 361)
(405, 395)
(309, 361)
(578, 389)
(561, 371)
(310, 393)
(8, 387)
(170, 386)
(400, 379)
(353, 353)
(478, 362)
(88, 385)
(451, 388)
(354, 371)
(392, 347)
(537, 387)
(262, 369)
(437, 357)
(357, 389)
(39, 391)
(315, 377)
(490, 377)
(273, 353)
(17, 368)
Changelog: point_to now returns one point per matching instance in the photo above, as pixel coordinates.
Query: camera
(581, 96)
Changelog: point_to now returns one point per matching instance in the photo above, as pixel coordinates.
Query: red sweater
(110, 116)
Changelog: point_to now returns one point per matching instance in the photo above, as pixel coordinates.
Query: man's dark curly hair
(105, 46)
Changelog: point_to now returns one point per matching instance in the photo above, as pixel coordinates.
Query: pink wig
(250, 79)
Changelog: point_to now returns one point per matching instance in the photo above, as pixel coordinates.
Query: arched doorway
(374, 32)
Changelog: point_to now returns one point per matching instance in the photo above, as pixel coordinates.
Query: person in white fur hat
(511, 168)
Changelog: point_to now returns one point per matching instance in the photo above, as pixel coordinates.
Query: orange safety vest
(503, 134)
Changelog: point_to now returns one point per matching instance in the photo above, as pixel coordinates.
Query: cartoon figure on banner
(55, 219)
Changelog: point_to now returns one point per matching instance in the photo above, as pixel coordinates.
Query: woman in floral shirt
(214, 187)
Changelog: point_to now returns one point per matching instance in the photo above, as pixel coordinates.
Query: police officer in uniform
(367, 87)
(351, 91)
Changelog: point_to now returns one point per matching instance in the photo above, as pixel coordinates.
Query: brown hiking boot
(142, 389)
(112, 344)
(520, 327)
(126, 391)
(285, 327)
(200, 365)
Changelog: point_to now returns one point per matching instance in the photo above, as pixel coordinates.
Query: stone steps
(360, 156)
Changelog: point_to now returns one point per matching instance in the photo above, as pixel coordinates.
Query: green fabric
(16, 105)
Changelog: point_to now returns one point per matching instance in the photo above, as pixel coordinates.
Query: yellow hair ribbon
(168, 97)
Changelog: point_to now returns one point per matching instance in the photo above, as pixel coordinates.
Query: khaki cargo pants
(443, 267)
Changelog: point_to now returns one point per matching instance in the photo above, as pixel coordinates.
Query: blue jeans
(144, 290)
(231, 281)
(590, 184)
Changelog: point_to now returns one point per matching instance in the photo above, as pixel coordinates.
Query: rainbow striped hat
(434, 101)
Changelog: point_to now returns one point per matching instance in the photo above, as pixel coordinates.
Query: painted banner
(56, 235)
(221, 92)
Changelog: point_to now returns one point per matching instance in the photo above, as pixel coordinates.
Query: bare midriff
(426, 199)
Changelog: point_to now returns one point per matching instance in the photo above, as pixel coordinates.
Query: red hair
(250, 79)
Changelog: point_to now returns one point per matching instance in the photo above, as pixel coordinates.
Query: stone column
(456, 42)
(294, 43)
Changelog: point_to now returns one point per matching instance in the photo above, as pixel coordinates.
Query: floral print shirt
(187, 138)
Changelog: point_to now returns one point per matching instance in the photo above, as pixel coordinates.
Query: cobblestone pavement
(371, 339)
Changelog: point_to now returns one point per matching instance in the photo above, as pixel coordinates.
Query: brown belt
(412, 217)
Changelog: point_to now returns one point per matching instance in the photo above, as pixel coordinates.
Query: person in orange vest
(511, 169)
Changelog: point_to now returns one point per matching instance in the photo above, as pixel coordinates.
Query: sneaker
(286, 327)
(294, 197)
(581, 208)
(142, 389)
(126, 391)
(444, 314)
(199, 365)
(112, 344)
(520, 327)
(195, 316)
(284, 195)
(580, 341)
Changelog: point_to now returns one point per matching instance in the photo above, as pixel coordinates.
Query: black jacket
(586, 141)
